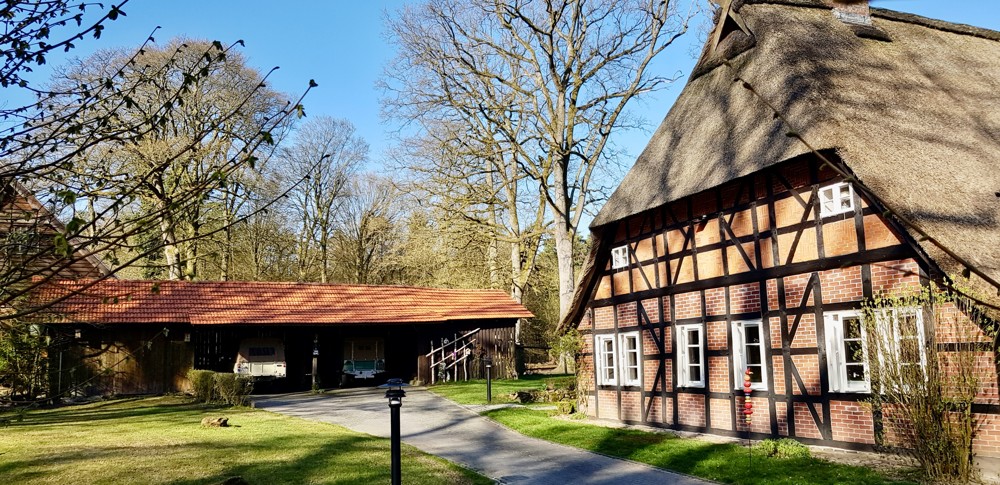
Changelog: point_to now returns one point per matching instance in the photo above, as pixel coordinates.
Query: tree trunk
(324, 254)
(227, 252)
(564, 233)
(170, 253)
(516, 270)
(492, 252)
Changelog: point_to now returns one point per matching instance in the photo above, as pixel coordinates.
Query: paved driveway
(443, 428)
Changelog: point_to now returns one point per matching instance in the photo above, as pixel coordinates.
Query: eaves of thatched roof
(911, 106)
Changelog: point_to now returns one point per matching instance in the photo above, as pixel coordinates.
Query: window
(621, 357)
(847, 352)
(630, 348)
(691, 356)
(904, 333)
(607, 372)
(748, 353)
(619, 257)
(261, 351)
(836, 199)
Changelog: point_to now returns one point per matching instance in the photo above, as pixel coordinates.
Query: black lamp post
(488, 362)
(394, 393)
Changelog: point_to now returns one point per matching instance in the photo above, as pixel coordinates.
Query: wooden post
(433, 367)
(315, 383)
(454, 357)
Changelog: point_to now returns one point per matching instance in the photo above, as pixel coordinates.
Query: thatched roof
(916, 118)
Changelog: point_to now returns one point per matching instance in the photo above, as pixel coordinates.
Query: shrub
(526, 396)
(782, 448)
(566, 407)
(202, 384)
(233, 389)
(928, 407)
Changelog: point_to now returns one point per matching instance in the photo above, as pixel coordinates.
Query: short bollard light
(488, 362)
(394, 393)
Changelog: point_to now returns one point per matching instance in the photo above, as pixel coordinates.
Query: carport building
(133, 336)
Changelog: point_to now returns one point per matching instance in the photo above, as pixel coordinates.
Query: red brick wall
(853, 422)
(760, 420)
(691, 409)
(744, 298)
(718, 372)
(627, 314)
(687, 305)
(722, 414)
(631, 406)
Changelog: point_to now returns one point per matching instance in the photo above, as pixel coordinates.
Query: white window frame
(831, 200)
(630, 343)
(887, 321)
(836, 352)
(619, 257)
(740, 353)
(605, 378)
(683, 351)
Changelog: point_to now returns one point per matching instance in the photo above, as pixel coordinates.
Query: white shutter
(739, 360)
(682, 357)
(834, 352)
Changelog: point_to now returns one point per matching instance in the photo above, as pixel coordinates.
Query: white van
(261, 357)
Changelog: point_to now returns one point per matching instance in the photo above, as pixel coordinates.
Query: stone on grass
(215, 422)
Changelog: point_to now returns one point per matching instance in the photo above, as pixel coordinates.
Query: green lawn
(727, 463)
(160, 440)
(474, 391)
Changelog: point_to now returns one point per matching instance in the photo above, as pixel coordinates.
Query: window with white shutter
(748, 353)
(607, 365)
(630, 351)
(847, 352)
(690, 356)
(836, 199)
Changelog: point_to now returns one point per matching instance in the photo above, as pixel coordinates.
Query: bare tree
(45, 143)
(567, 69)
(327, 152)
(477, 181)
(368, 236)
(191, 148)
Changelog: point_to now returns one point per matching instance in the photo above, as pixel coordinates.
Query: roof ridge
(894, 15)
(275, 283)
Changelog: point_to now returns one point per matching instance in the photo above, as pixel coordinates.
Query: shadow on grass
(109, 410)
(724, 462)
(163, 442)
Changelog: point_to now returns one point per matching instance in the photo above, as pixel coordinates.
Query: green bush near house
(202, 384)
(566, 407)
(782, 448)
(233, 389)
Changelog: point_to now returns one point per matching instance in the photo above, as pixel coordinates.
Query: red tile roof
(265, 303)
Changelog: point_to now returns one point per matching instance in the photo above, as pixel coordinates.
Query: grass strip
(474, 391)
(160, 440)
(727, 462)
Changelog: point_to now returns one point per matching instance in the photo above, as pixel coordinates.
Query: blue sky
(341, 44)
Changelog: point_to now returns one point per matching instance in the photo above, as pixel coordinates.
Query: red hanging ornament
(747, 404)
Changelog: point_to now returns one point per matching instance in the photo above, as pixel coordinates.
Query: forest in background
(177, 160)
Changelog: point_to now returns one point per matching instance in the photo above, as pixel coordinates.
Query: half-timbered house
(819, 154)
